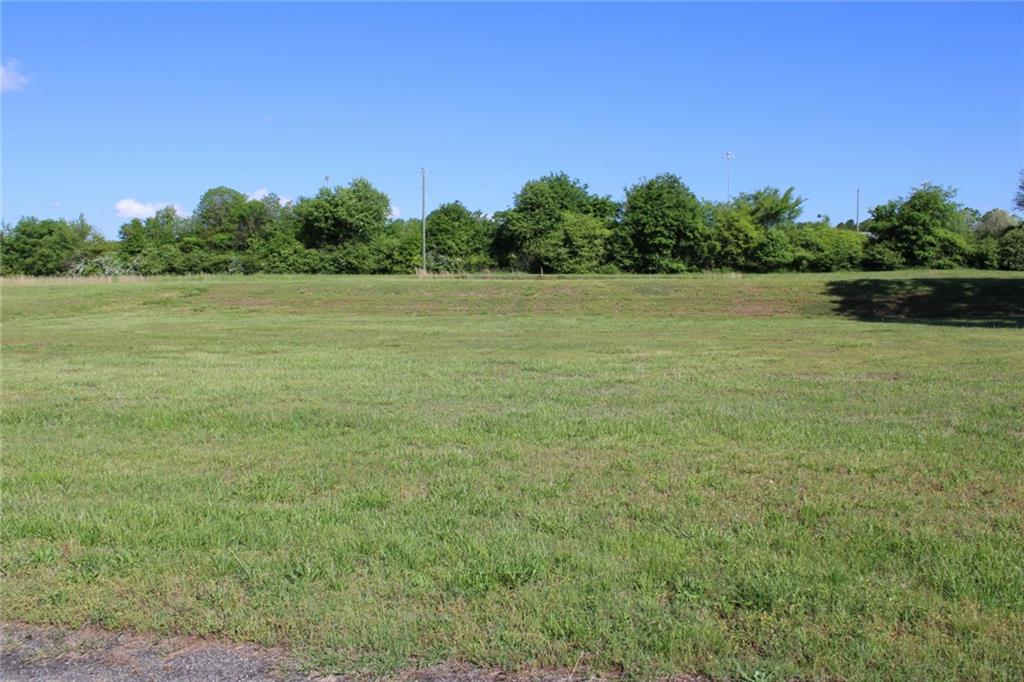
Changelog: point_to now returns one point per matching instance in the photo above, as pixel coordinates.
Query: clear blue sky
(158, 102)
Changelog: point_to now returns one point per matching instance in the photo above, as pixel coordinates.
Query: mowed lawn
(759, 477)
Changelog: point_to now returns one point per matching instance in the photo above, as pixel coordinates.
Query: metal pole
(423, 213)
(857, 219)
(728, 174)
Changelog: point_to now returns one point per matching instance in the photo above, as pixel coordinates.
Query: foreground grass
(794, 475)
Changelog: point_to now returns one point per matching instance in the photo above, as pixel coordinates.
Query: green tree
(995, 222)
(48, 247)
(163, 228)
(825, 249)
(529, 232)
(216, 216)
(576, 245)
(737, 237)
(1011, 249)
(458, 240)
(926, 229)
(662, 228)
(335, 216)
(771, 207)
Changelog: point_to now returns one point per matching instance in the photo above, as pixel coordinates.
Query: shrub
(881, 256)
(280, 252)
(774, 252)
(825, 249)
(983, 251)
(1011, 249)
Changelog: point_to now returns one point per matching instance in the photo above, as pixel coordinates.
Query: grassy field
(759, 477)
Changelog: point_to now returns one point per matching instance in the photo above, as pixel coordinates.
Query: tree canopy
(554, 225)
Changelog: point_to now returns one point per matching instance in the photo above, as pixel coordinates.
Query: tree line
(555, 225)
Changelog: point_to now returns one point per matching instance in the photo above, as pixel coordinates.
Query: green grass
(768, 476)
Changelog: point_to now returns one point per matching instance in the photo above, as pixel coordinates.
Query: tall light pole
(728, 164)
(423, 213)
(857, 214)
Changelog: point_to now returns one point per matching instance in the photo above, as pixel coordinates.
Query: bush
(880, 256)
(983, 251)
(825, 249)
(1011, 249)
(280, 252)
(736, 238)
(774, 252)
(47, 247)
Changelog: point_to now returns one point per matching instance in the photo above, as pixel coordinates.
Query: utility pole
(857, 219)
(728, 166)
(423, 213)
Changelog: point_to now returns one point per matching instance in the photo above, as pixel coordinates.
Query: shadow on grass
(953, 301)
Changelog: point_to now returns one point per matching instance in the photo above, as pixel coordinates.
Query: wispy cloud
(11, 77)
(129, 208)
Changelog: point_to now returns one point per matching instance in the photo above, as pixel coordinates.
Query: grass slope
(781, 475)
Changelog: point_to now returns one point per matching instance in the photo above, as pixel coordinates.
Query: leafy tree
(774, 252)
(458, 240)
(48, 247)
(226, 219)
(335, 216)
(826, 249)
(662, 228)
(534, 234)
(280, 251)
(995, 222)
(736, 237)
(218, 209)
(576, 245)
(1011, 249)
(925, 229)
(771, 207)
(255, 218)
(983, 251)
(163, 228)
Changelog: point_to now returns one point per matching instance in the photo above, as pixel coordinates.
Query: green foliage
(983, 251)
(576, 244)
(996, 222)
(1011, 249)
(333, 217)
(225, 219)
(880, 256)
(773, 253)
(736, 237)
(166, 227)
(926, 229)
(47, 247)
(458, 240)
(771, 207)
(280, 252)
(555, 225)
(662, 228)
(534, 235)
(826, 249)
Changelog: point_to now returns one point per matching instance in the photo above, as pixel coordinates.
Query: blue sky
(158, 102)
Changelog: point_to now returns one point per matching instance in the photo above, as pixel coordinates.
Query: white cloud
(396, 213)
(129, 208)
(263, 192)
(11, 77)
